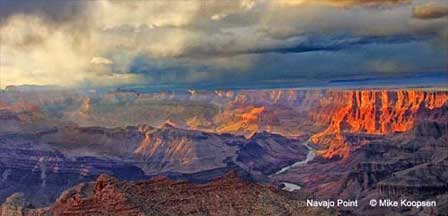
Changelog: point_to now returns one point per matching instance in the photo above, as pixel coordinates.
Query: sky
(99, 43)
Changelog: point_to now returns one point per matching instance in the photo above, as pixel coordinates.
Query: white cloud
(100, 60)
(218, 16)
(247, 4)
(111, 14)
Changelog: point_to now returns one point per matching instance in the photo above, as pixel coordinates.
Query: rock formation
(174, 149)
(380, 113)
(229, 195)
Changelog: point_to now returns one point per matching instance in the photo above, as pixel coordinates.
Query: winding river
(309, 157)
(288, 186)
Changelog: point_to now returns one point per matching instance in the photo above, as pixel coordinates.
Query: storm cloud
(108, 43)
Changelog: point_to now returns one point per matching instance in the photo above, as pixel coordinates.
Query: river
(309, 157)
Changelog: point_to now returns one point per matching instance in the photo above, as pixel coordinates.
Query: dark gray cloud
(53, 10)
(370, 60)
(337, 43)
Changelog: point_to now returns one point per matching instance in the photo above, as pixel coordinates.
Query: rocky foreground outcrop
(229, 195)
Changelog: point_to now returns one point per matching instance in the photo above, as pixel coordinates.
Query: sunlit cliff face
(242, 120)
(286, 112)
(376, 112)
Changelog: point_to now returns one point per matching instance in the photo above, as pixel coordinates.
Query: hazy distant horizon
(431, 80)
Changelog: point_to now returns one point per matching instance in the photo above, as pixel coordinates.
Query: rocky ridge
(228, 195)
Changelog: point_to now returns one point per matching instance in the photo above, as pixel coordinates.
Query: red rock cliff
(375, 112)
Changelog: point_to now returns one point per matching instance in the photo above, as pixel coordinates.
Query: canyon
(365, 144)
(43, 160)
